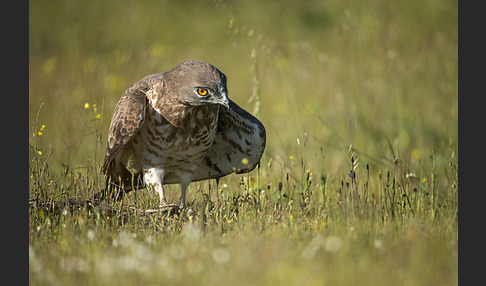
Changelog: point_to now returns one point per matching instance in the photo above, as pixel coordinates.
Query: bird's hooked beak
(224, 101)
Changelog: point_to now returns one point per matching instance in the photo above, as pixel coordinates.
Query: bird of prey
(178, 127)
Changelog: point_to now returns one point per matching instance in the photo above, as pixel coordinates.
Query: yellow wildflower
(86, 105)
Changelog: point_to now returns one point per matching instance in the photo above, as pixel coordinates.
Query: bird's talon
(170, 208)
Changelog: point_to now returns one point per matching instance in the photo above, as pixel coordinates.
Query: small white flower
(333, 243)
(378, 243)
(91, 234)
(221, 255)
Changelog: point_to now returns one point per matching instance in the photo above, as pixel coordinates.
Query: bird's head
(197, 83)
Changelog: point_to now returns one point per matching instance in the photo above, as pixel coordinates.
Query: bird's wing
(238, 146)
(128, 117)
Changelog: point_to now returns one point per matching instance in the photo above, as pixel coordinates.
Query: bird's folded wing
(128, 116)
(238, 146)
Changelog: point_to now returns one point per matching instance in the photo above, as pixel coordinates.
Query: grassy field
(358, 184)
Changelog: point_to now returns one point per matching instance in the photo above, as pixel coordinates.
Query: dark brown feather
(238, 146)
(128, 117)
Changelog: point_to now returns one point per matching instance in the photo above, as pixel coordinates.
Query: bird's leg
(184, 185)
(153, 178)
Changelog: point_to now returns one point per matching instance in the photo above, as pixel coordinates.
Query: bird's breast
(178, 148)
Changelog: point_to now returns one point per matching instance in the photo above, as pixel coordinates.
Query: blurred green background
(380, 75)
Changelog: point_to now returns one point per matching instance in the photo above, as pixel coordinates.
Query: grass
(358, 184)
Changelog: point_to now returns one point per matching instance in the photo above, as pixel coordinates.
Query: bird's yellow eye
(202, 91)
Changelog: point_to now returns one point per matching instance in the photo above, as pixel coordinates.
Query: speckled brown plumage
(164, 132)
